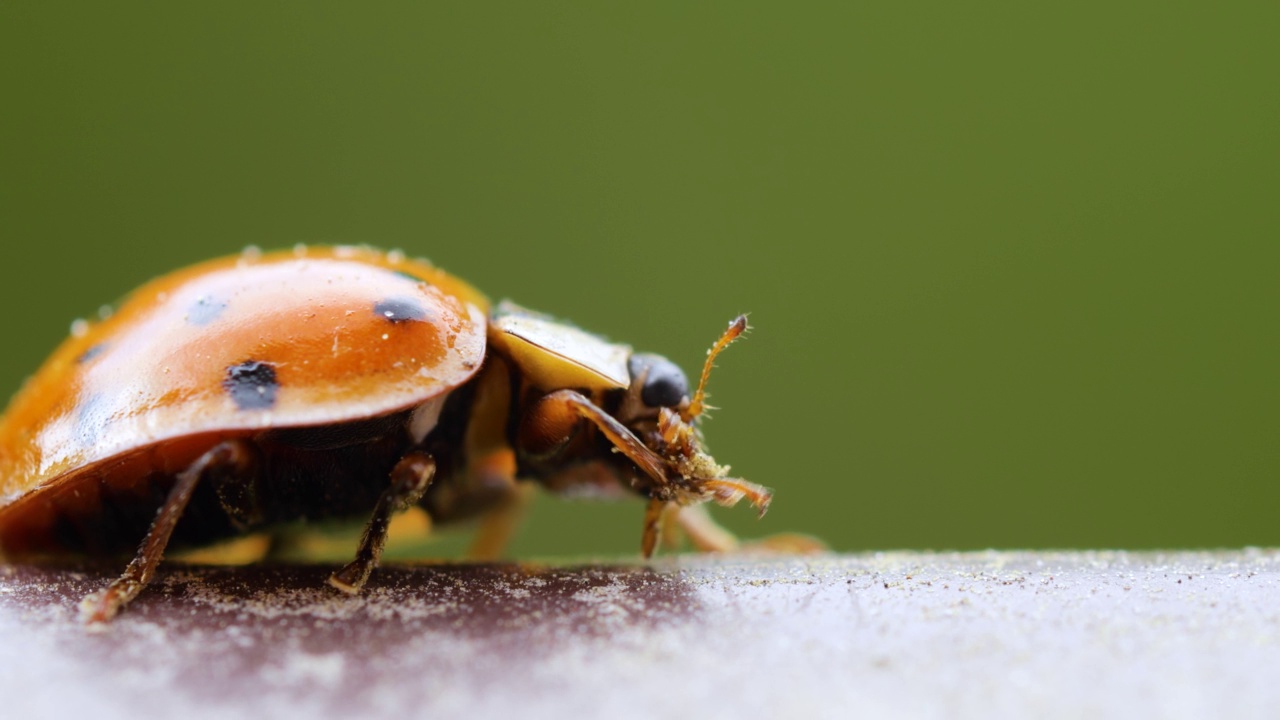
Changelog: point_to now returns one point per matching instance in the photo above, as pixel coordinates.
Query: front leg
(551, 422)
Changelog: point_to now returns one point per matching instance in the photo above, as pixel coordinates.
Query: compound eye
(665, 385)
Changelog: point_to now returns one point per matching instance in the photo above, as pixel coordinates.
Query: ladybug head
(661, 413)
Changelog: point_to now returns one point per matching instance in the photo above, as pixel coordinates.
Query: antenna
(698, 404)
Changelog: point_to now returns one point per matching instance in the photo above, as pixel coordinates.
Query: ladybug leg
(232, 457)
(492, 487)
(707, 536)
(654, 513)
(409, 481)
(240, 494)
(491, 465)
(552, 420)
(498, 525)
(704, 532)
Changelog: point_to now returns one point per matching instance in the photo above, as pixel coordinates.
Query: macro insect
(248, 392)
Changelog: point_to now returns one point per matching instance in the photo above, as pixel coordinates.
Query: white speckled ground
(902, 635)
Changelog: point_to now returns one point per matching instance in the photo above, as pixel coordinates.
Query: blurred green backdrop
(1012, 267)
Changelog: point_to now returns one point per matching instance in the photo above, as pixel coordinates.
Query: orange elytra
(251, 391)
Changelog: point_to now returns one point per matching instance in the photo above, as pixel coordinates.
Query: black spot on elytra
(91, 353)
(252, 385)
(400, 309)
(205, 310)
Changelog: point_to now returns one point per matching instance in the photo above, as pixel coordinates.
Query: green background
(1012, 267)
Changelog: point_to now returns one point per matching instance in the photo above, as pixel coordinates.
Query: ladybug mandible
(248, 392)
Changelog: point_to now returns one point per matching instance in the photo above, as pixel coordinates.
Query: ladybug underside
(297, 474)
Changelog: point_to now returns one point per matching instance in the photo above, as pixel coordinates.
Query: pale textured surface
(997, 634)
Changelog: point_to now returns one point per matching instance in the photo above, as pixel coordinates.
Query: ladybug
(252, 391)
